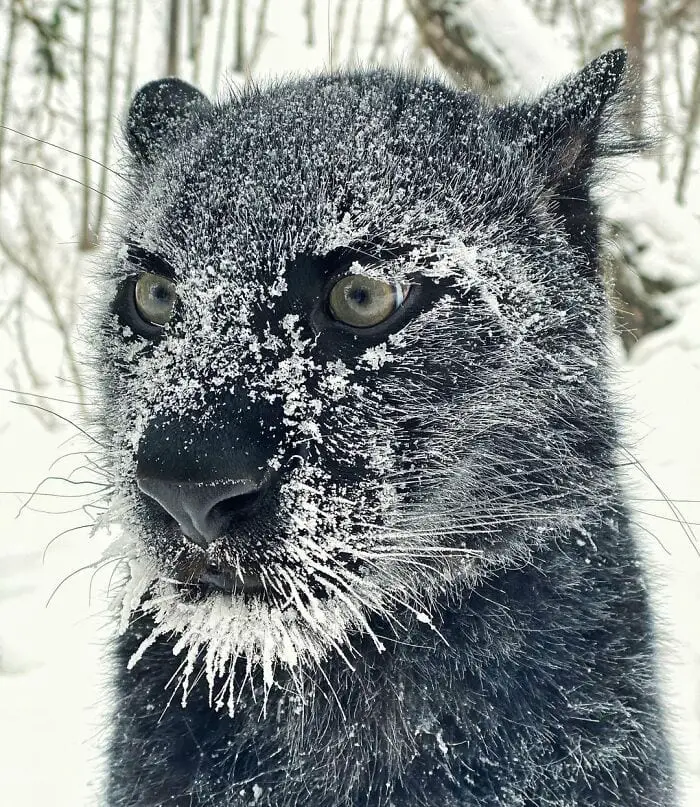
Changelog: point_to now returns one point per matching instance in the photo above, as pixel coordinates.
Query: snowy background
(54, 623)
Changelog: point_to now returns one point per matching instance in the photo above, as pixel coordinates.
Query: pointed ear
(160, 113)
(563, 133)
(565, 125)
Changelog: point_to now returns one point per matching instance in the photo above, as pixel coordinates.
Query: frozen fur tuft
(450, 607)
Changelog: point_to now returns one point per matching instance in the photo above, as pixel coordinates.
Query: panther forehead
(267, 174)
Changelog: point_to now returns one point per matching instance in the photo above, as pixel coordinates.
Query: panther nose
(205, 510)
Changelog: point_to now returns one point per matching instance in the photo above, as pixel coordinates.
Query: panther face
(328, 352)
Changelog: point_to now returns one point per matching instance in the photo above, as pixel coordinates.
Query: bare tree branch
(660, 82)
(47, 292)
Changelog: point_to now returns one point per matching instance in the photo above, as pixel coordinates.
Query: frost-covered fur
(453, 609)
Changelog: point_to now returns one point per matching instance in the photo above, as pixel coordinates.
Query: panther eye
(363, 301)
(155, 298)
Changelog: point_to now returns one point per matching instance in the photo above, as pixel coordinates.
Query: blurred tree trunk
(219, 48)
(338, 26)
(196, 13)
(309, 9)
(381, 32)
(7, 79)
(133, 53)
(356, 29)
(115, 14)
(258, 36)
(86, 236)
(691, 129)
(634, 37)
(173, 60)
(239, 63)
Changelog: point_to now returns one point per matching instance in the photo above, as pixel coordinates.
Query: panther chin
(232, 631)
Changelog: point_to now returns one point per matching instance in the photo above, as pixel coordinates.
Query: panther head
(349, 327)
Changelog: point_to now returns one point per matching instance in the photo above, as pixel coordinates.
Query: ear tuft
(160, 112)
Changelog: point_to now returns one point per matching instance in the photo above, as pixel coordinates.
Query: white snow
(51, 694)
(663, 382)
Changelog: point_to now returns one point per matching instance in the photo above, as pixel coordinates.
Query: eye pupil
(359, 296)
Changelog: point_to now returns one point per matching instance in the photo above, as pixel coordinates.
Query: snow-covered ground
(52, 623)
(663, 377)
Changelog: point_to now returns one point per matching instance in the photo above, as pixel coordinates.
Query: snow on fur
(231, 231)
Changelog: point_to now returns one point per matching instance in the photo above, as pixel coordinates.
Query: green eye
(363, 301)
(155, 298)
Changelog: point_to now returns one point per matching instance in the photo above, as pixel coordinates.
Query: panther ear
(566, 126)
(160, 113)
(563, 133)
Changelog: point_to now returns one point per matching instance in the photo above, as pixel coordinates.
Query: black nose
(205, 510)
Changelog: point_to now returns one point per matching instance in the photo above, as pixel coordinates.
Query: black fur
(528, 679)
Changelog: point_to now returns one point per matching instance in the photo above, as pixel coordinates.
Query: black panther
(353, 355)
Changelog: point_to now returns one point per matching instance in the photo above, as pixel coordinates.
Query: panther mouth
(198, 575)
(228, 582)
(223, 538)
